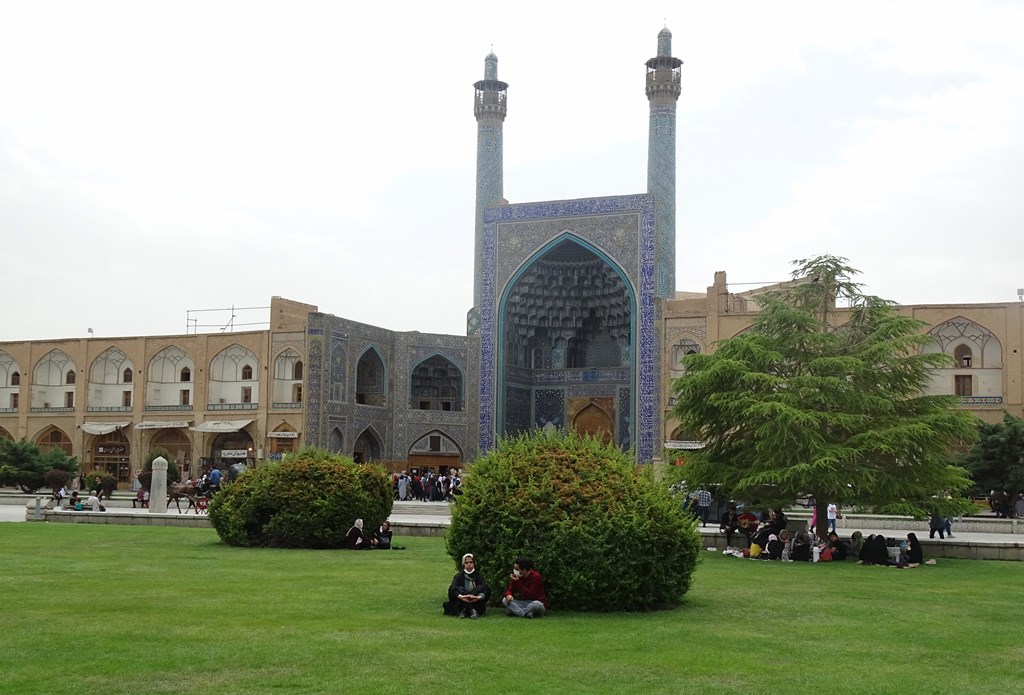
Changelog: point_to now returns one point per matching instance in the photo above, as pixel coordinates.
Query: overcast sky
(157, 158)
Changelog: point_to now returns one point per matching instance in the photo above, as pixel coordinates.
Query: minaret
(663, 88)
(489, 107)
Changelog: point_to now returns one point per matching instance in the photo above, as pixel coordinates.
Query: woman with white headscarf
(468, 592)
(356, 539)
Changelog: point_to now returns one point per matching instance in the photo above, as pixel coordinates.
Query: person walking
(704, 505)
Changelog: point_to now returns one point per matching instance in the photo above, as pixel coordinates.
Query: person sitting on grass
(856, 543)
(356, 539)
(525, 595)
(773, 551)
(729, 525)
(875, 551)
(468, 592)
(801, 547)
(915, 554)
(837, 547)
(787, 546)
(382, 537)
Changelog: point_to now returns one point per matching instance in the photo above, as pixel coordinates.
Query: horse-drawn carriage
(198, 496)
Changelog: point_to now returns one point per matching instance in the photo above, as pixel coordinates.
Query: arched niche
(436, 383)
(169, 380)
(339, 369)
(53, 437)
(335, 441)
(567, 316)
(368, 446)
(371, 378)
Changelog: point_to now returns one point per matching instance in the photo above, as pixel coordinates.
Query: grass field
(120, 609)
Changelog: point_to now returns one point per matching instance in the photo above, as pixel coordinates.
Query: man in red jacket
(525, 595)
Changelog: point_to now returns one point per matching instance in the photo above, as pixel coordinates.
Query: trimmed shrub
(604, 534)
(309, 500)
(146, 476)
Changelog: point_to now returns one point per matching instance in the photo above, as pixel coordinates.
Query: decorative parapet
(980, 400)
(233, 406)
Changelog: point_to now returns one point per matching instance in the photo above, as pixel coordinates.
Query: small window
(69, 399)
(963, 385)
(70, 378)
(126, 399)
(424, 405)
(361, 398)
(14, 401)
(297, 393)
(184, 397)
(297, 371)
(435, 442)
(128, 375)
(15, 379)
(446, 405)
(963, 356)
(246, 373)
(246, 394)
(186, 374)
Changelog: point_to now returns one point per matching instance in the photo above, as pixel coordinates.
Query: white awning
(155, 425)
(102, 427)
(283, 435)
(221, 426)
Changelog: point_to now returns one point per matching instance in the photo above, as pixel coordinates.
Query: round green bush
(603, 533)
(309, 500)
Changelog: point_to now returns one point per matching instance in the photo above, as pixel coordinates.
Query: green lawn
(119, 609)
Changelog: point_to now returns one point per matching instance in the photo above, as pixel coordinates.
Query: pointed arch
(166, 366)
(335, 441)
(110, 366)
(10, 372)
(52, 368)
(229, 365)
(975, 374)
(688, 345)
(169, 380)
(53, 437)
(568, 309)
(436, 383)
(435, 442)
(592, 419)
(368, 446)
(288, 377)
(968, 337)
(339, 372)
(371, 378)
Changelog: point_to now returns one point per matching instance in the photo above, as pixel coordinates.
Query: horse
(178, 491)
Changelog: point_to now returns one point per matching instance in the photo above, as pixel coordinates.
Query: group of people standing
(469, 592)
(428, 486)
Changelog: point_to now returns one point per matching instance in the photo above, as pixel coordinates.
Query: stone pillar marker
(158, 487)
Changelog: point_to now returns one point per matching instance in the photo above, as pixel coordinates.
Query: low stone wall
(111, 516)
